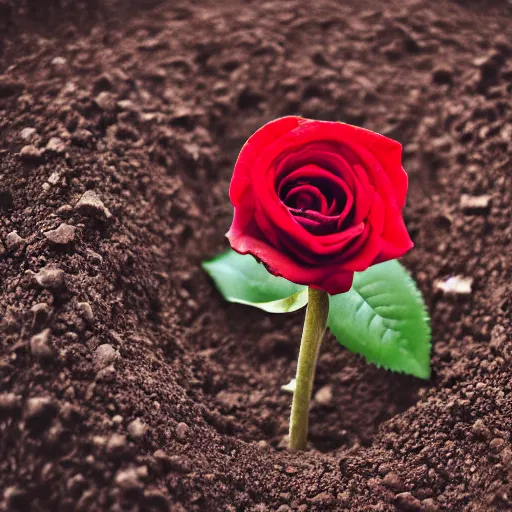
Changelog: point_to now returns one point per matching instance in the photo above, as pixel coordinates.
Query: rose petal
(252, 150)
(246, 238)
(310, 191)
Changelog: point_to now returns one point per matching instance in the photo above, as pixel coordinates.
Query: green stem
(312, 334)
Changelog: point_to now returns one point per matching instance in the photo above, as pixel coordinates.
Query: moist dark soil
(126, 382)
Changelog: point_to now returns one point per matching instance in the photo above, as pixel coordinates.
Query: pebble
(59, 61)
(182, 430)
(40, 346)
(51, 278)
(54, 178)
(9, 403)
(179, 463)
(130, 478)
(41, 312)
(323, 498)
(116, 444)
(76, 484)
(86, 311)
(429, 505)
(62, 235)
(91, 205)
(324, 395)
(392, 481)
(406, 502)
(497, 444)
(475, 205)
(82, 137)
(56, 145)
(162, 460)
(456, 285)
(27, 133)
(104, 355)
(30, 154)
(13, 241)
(64, 211)
(137, 429)
(40, 408)
(480, 429)
(106, 101)
(16, 498)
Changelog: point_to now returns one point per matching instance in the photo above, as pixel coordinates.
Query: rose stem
(312, 334)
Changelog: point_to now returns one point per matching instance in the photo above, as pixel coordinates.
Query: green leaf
(240, 278)
(383, 317)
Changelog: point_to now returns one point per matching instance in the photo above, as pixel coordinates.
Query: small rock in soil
(323, 498)
(51, 278)
(324, 395)
(65, 211)
(480, 429)
(429, 505)
(130, 478)
(56, 145)
(182, 430)
(40, 346)
(39, 411)
(63, 235)
(106, 101)
(116, 445)
(82, 137)
(9, 404)
(27, 133)
(91, 205)
(16, 498)
(54, 178)
(179, 463)
(13, 241)
(30, 154)
(406, 502)
(475, 205)
(392, 481)
(41, 312)
(137, 429)
(86, 311)
(104, 355)
(456, 285)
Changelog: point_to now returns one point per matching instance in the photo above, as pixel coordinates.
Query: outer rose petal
(251, 151)
(246, 238)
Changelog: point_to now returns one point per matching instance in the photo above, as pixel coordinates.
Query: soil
(126, 382)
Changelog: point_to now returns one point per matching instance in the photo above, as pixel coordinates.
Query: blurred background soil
(126, 382)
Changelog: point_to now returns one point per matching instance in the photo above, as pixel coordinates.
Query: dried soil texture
(126, 382)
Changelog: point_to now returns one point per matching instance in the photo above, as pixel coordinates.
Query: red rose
(316, 201)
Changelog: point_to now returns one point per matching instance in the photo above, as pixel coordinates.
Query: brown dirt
(150, 102)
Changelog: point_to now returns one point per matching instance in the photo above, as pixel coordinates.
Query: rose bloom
(316, 201)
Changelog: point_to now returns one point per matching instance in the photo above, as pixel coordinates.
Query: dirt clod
(53, 279)
(92, 206)
(63, 235)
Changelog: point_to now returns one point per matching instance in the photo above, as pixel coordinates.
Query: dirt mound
(126, 383)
